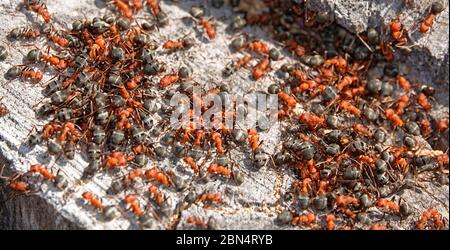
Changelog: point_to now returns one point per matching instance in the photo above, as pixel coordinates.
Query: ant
(378, 227)
(258, 47)
(184, 43)
(25, 72)
(3, 109)
(42, 170)
(397, 31)
(209, 198)
(306, 219)
(427, 23)
(35, 55)
(346, 81)
(218, 169)
(132, 201)
(402, 103)
(99, 45)
(124, 8)
(168, 80)
(209, 28)
(93, 200)
(425, 127)
(242, 62)
(156, 194)
(253, 139)
(431, 213)
(388, 205)
(393, 117)
(133, 175)
(296, 48)
(24, 32)
(191, 163)
(339, 62)
(313, 121)
(404, 83)
(347, 106)
(330, 222)
(159, 176)
(196, 221)
(423, 102)
(288, 99)
(154, 5)
(15, 184)
(137, 4)
(362, 130)
(217, 138)
(442, 125)
(39, 8)
(261, 68)
(305, 86)
(117, 159)
(68, 128)
(58, 39)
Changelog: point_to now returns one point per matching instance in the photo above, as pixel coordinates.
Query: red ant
(217, 138)
(168, 80)
(435, 9)
(124, 8)
(191, 163)
(288, 99)
(133, 202)
(347, 106)
(196, 221)
(259, 47)
(337, 61)
(154, 5)
(209, 198)
(261, 68)
(209, 28)
(93, 200)
(69, 127)
(40, 8)
(15, 184)
(346, 81)
(442, 125)
(393, 117)
(59, 40)
(378, 227)
(25, 32)
(117, 159)
(388, 205)
(423, 101)
(133, 175)
(404, 83)
(123, 118)
(242, 62)
(161, 177)
(362, 130)
(397, 31)
(217, 169)
(431, 213)
(402, 104)
(3, 109)
(253, 139)
(180, 44)
(156, 194)
(306, 219)
(42, 170)
(313, 121)
(331, 222)
(137, 4)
